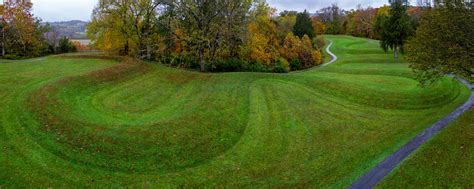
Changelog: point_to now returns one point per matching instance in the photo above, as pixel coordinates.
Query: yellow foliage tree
(262, 41)
(291, 47)
(302, 49)
(318, 26)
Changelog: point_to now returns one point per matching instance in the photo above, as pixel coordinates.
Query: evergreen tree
(65, 46)
(303, 25)
(396, 28)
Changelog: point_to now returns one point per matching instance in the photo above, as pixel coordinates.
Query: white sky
(64, 10)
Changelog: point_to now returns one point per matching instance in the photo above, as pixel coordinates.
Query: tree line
(209, 35)
(25, 36)
(249, 35)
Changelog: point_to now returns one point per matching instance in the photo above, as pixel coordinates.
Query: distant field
(69, 122)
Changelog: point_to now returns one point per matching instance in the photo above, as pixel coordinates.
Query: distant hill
(74, 29)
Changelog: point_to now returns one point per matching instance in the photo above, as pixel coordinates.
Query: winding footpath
(328, 50)
(379, 172)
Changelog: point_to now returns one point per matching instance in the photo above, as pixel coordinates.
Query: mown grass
(71, 122)
(447, 161)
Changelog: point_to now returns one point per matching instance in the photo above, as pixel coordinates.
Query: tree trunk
(395, 52)
(148, 52)
(3, 42)
(201, 59)
(126, 49)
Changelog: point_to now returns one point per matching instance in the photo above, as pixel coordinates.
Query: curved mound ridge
(91, 122)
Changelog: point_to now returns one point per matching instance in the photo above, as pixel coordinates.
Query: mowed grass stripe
(164, 127)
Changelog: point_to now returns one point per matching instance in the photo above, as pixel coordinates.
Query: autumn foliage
(21, 32)
(296, 49)
(238, 35)
(79, 46)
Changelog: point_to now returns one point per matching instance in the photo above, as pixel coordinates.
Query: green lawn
(447, 161)
(69, 122)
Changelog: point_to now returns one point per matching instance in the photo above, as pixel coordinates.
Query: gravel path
(334, 57)
(328, 50)
(374, 176)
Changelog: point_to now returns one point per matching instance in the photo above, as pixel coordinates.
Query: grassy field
(88, 122)
(445, 162)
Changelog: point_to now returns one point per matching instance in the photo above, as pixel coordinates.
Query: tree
(235, 16)
(299, 50)
(125, 27)
(395, 29)
(333, 17)
(208, 25)
(288, 13)
(285, 23)
(261, 44)
(22, 33)
(444, 42)
(2, 29)
(318, 26)
(415, 13)
(303, 25)
(207, 32)
(65, 46)
(362, 21)
(380, 18)
(291, 47)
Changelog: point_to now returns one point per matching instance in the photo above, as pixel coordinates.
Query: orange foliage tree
(22, 33)
(79, 46)
(296, 49)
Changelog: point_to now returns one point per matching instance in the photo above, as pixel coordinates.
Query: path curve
(379, 172)
(328, 50)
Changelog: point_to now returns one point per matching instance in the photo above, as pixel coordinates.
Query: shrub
(319, 42)
(281, 66)
(65, 46)
(13, 57)
(257, 66)
(296, 64)
(230, 65)
(317, 56)
(179, 61)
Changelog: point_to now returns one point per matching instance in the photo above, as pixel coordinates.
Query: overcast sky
(63, 10)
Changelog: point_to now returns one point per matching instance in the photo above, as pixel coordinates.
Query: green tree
(444, 42)
(395, 29)
(285, 23)
(125, 27)
(65, 46)
(380, 18)
(234, 16)
(303, 25)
